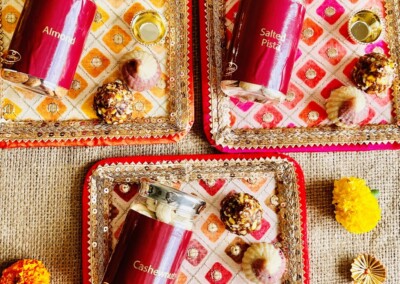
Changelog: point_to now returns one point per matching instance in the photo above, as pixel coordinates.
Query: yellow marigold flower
(26, 271)
(356, 208)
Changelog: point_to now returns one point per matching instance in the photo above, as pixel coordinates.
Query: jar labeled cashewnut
(47, 45)
(155, 236)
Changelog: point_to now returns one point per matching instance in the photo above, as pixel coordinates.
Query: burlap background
(40, 203)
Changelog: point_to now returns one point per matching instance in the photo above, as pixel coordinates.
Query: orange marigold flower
(26, 271)
(356, 208)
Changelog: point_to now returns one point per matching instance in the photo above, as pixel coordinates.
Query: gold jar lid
(148, 27)
(365, 26)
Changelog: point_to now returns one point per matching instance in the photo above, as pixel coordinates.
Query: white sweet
(249, 87)
(142, 209)
(164, 213)
(182, 221)
(273, 95)
(151, 205)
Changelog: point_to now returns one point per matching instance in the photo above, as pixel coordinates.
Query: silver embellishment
(216, 275)
(268, 117)
(235, 250)
(212, 228)
(308, 33)
(311, 74)
(125, 188)
(330, 11)
(193, 253)
(274, 200)
(313, 115)
(118, 39)
(290, 97)
(332, 52)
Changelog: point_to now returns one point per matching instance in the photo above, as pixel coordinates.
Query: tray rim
(208, 119)
(176, 136)
(178, 158)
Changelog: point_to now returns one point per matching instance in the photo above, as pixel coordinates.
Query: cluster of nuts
(374, 73)
(165, 213)
(34, 83)
(241, 213)
(113, 103)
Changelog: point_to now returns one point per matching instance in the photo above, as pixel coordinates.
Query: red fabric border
(154, 159)
(97, 141)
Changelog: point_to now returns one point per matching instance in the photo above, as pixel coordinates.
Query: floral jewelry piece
(356, 207)
(366, 269)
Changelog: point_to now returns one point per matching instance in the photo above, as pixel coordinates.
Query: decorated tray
(324, 62)
(162, 114)
(275, 180)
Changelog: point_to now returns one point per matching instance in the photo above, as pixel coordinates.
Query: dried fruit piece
(241, 213)
(374, 73)
(263, 263)
(346, 106)
(140, 70)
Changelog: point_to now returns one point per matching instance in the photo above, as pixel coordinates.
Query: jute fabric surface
(41, 189)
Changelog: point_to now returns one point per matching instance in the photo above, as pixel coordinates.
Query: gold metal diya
(148, 27)
(365, 26)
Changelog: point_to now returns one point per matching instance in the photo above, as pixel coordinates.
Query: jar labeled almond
(47, 44)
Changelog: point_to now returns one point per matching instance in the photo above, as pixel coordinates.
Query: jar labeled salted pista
(155, 236)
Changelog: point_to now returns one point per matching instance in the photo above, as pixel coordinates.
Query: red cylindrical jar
(263, 49)
(47, 44)
(155, 236)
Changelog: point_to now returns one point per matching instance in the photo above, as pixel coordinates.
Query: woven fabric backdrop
(40, 202)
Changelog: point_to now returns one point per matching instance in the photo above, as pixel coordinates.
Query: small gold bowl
(148, 27)
(365, 26)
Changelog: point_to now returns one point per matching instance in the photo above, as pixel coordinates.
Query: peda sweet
(347, 106)
(140, 70)
(263, 263)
